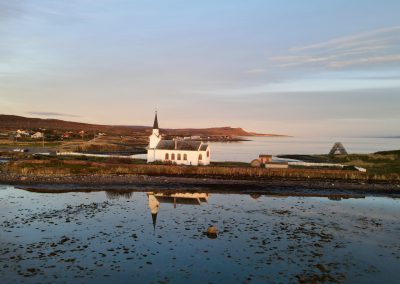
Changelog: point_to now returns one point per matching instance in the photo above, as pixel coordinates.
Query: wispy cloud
(360, 39)
(370, 48)
(256, 71)
(10, 9)
(47, 113)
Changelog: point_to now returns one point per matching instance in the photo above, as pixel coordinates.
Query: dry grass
(103, 144)
(60, 167)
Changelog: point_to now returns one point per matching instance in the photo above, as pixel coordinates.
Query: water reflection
(255, 195)
(117, 194)
(155, 198)
(48, 237)
(184, 198)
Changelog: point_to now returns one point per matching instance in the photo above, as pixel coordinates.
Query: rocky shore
(281, 186)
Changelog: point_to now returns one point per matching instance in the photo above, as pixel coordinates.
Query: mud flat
(103, 237)
(294, 187)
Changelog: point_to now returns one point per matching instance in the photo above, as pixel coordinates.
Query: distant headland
(14, 122)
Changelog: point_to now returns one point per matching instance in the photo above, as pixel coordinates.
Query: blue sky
(327, 68)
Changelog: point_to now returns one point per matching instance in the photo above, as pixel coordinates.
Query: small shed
(255, 163)
(265, 158)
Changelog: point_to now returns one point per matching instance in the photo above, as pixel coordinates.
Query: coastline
(273, 186)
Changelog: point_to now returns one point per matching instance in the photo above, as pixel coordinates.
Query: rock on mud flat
(212, 232)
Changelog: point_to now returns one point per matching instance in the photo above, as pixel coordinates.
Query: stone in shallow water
(212, 232)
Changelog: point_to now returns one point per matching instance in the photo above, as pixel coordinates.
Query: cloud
(46, 113)
(373, 48)
(10, 9)
(360, 40)
(255, 71)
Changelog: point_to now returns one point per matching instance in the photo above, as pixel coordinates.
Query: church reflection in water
(117, 194)
(156, 198)
(184, 198)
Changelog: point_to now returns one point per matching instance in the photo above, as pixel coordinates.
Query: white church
(176, 151)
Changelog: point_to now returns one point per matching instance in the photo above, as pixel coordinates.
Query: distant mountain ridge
(14, 122)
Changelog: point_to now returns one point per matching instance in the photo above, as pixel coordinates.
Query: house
(265, 158)
(66, 134)
(177, 151)
(37, 135)
(22, 132)
(267, 162)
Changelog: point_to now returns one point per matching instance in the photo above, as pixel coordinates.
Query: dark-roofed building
(177, 151)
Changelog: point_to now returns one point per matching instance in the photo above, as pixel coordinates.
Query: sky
(301, 68)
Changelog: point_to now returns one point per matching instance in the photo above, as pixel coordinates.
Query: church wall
(154, 138)
(192, 156)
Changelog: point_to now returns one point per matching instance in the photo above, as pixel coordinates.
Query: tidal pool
(139, 237)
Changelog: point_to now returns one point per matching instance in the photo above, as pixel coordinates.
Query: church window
(185, 157)
(166, 156)
(200, 157)
(172, 156)
(208, 154)
(178, 157)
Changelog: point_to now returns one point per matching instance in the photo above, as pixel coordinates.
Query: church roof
(180, 145)
(155, 125)
(203, 147)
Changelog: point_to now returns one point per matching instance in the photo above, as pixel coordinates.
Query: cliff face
(13, 122)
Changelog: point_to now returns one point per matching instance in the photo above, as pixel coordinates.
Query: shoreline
(273, 186)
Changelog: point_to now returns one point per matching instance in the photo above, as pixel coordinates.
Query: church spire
(155, 125)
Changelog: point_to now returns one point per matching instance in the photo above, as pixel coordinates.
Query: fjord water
(100, 237)
(248, 150)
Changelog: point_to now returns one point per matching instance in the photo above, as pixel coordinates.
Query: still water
(139, 237)
(248, 150)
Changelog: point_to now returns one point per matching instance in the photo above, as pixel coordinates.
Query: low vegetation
(35, 144)
(54, 166)
(379, 163)
(385, 162)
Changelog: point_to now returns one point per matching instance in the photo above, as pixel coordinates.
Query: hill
(13, 122)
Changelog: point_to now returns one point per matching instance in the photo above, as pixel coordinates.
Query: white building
(176, 151)
(37, 135)
(23, 132)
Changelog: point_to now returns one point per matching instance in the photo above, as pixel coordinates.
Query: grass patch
(230, 164)
(377, 163)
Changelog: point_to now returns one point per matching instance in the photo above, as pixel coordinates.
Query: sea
(246, 151)
(148, 237)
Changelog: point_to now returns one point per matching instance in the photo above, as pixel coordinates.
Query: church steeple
(155, 125)
(155, 137)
